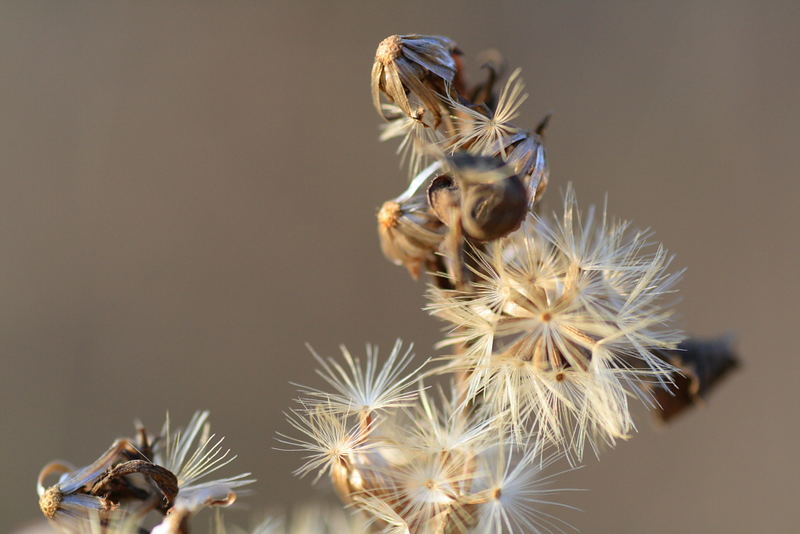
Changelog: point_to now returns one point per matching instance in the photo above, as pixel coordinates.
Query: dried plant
(553, 325)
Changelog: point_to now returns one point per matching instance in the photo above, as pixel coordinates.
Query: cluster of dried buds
(486, 174)
(163, 475)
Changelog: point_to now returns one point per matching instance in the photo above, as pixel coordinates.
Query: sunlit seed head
(368, 385)
(563, 325)
(327, 436)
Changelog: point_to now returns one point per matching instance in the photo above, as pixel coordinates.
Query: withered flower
(139, 476)
(555, 324)
(412, 71)
(92, 491)
(65, 502)
(527, 158)
(409, 232)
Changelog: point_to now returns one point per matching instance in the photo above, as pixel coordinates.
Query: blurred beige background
(187, 193)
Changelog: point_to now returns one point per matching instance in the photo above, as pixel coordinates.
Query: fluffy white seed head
(489, 133)
(513, 490)
(369, 386)
(563, 325)
(192, 454)
(439, 423)
(328, 438)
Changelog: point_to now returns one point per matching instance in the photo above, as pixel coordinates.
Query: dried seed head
(413, 71)
(409, 232)
(564, 325)
(191, 454)
(409, 235)
(389, 49)
(488, 131)
(50, 501)
(370, 387)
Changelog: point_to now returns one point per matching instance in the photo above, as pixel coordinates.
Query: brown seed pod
(491, 211)
(493, 200)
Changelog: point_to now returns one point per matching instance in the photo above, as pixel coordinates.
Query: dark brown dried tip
(704, 363)
(494, 64)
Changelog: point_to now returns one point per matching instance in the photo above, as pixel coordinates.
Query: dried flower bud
(491, 211)
(527, 158)
(67, 503)
(409, 232)
(494, 201)
(411, 70)
(703, 364)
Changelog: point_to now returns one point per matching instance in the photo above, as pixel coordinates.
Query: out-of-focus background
(188, 191)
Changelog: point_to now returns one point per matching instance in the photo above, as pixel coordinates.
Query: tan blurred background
(187, 193)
